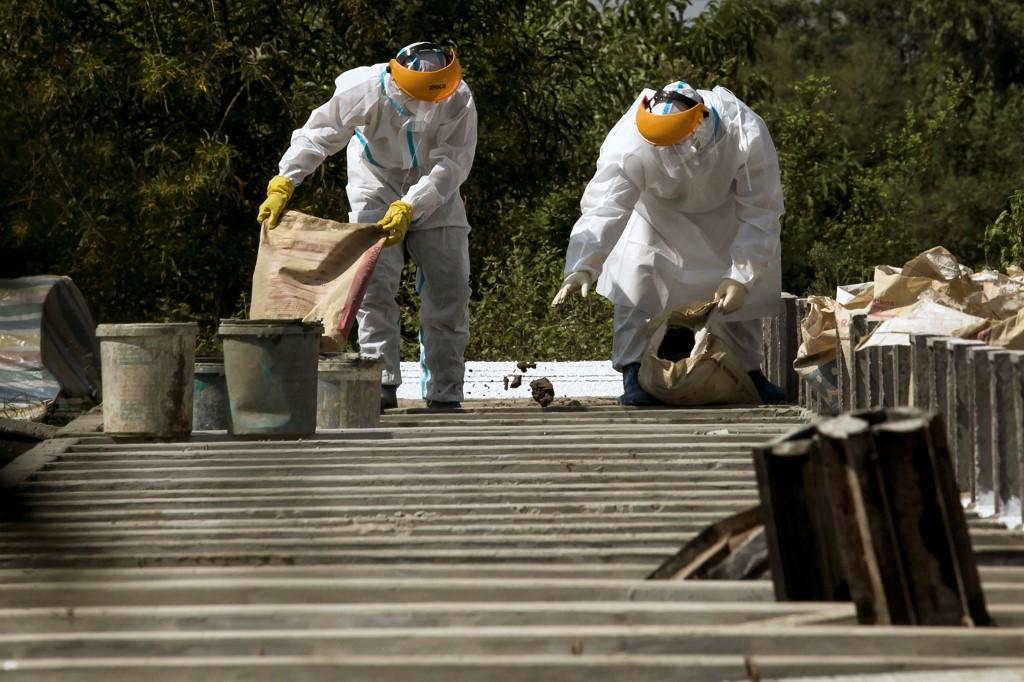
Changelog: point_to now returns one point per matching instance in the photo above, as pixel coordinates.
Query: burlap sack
(924, 317)
(709, 376)
(314, 269)
(1008, 333)
(936, 269)
(818, 335)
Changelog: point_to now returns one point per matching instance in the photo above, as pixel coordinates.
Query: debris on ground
(523, 366)
(543, 391)
(734, 548)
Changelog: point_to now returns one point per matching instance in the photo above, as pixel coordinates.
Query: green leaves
(139, 136)
(1004, 238)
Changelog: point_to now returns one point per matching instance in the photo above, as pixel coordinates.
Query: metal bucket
(210, 397)
(147, 378)
(348, 392)
(270, 369)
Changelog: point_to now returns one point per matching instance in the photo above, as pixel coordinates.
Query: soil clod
(543, 391)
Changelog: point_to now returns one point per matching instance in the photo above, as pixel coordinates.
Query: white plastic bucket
(147, 378)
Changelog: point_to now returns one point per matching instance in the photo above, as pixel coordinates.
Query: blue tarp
(48, 345)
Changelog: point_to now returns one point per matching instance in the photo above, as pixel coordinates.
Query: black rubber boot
(770, 393)
(632, 394)
(443, 404)
(388, 397)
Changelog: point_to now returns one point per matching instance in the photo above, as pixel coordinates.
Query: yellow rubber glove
(279, 191)
(579, 280)
(730, 295)
(396, 222)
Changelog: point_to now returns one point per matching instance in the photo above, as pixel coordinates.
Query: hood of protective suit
(662, 226)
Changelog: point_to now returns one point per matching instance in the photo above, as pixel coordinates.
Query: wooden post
(874, 373)
(1017, 391)
(803, 557)
(929, 521)
(876, 492)
(980, 413)
(887, 372)
(859, 379)
(938, 381)
(961, 442)
(802, 387)
(1006, 446)
(921, 369)
(843, 377)
(868, 549)
(790, 345)
(903, 371)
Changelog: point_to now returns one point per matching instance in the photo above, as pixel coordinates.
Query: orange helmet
(426, 72)
(681, 118)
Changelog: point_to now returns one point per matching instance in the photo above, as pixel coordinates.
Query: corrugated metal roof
(492, 544)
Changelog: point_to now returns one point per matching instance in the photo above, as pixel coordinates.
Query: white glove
(730, 295)
(576, 281)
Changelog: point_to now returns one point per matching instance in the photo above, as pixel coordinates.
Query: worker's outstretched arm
(606, 206)
(327, 131)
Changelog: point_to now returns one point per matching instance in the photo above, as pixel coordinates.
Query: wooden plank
(921, 371)
(903, 373)
(867, 546)
(1004, 446)
(798, 527)
(928, 520)
(961, 399)
(859, 381)
(789, 346)
(571, 667)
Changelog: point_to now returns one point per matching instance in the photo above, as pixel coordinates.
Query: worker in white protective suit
(684, 208)
(410, 129)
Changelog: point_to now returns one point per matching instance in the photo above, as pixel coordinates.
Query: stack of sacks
(932, 294)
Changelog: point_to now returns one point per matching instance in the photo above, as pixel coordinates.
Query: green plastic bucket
(147, 378)
(270, 368)
(209, 397)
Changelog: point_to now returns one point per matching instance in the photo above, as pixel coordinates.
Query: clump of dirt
(523, 366)
(542, 390)
(512, 381)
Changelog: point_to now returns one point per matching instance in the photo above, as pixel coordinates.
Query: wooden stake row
(866, 507)
(978, 390)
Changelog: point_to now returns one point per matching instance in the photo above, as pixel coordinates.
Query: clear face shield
(410, 68)
(681, 130)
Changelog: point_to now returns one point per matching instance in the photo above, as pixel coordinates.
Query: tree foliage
(139, 135)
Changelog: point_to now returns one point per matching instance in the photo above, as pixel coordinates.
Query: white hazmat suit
(661, 227)
(420, 153)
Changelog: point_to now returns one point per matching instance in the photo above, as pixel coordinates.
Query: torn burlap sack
(1008, 333)
(817, 358)
(686, 364)
(312, 269)
(935, 269)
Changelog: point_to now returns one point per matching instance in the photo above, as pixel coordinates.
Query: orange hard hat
(667, 129)
(426, 85)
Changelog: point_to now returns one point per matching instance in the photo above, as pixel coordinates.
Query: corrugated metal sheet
(496, 544)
